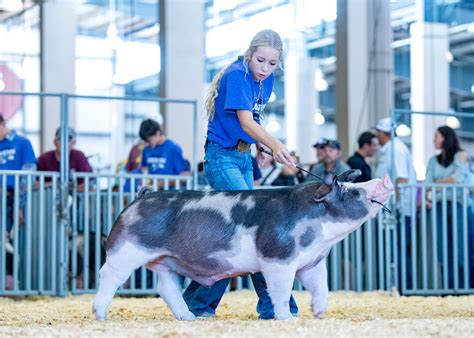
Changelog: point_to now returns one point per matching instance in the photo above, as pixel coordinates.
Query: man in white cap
(403, 172)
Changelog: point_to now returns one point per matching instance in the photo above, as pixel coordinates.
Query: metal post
(195, 141)
(63, 197)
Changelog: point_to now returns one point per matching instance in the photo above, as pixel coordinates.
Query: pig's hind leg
(169, 288)
(279, 279)
(118, 267)
(315, 280)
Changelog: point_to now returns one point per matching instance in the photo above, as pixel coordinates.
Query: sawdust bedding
(349, 314)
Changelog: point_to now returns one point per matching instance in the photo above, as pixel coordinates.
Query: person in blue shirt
(236, 100)
(16, 153)
(160, 156)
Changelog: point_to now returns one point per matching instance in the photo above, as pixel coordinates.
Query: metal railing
(39, 256)
(437, 240)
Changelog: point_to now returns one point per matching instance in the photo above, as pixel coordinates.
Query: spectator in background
(160, 156)
(451, 166)
(51, 160)
(330, 155)
(16, 153)
(403, 172)
(368, 145)
(135, 157)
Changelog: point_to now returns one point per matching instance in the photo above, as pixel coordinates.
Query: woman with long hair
(451, 166)
(235, 103)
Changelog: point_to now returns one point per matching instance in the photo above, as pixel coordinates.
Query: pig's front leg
(279, 279)
(169, 289)
(315, 280)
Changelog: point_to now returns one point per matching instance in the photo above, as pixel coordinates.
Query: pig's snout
(380, 189)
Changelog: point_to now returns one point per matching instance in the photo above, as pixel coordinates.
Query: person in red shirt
(50, 160)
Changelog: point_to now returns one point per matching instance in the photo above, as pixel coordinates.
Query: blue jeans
(227, 169)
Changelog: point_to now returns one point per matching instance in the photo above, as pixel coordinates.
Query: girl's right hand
(282, 155)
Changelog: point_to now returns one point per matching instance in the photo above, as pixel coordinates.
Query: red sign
(9, 82)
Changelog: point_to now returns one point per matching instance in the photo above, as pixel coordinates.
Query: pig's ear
(349, 175)
(325, 188)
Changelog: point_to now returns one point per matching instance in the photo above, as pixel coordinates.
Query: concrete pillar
(58, 31)
(300, 99)
(364, 75)
(429, 87)
(380, 87)
(352, 72)
(182, 70)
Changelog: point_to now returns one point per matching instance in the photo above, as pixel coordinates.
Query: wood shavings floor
(349, 314)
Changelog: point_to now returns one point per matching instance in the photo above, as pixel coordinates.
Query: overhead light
(2, 83)
(113, 39)
(449, 56)
(403, 130)
(472, 88)
(319, 118)
(320, 83)
(272, 98)
(11, 5)
(470, 28)
(453, 122)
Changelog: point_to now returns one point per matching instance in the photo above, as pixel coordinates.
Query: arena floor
(349, 314)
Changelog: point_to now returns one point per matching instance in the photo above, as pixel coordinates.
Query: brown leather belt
(242, 146)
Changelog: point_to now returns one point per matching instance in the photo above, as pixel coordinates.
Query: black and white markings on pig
(165, 220)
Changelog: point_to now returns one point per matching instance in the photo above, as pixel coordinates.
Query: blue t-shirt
(164, 159)
(237, 91)
(15, 152)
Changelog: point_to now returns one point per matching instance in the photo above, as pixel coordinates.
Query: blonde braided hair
(265, 38)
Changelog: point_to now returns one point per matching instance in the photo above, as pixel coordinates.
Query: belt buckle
(243, 146)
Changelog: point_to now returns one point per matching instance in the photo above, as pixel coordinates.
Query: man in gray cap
(330, 160)
(50, 160)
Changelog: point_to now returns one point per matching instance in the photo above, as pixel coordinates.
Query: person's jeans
(227, 169)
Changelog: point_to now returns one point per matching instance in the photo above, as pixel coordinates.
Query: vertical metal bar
(424, 240)
(387, 244)
(16, 258)
(98, 231)
(109, 204)
(395, 247)
(414, 242)
(369, 255)
(403, 251)
(195, 144)
(64, 181)
(41, 237)
(359, 267)
(445, 238)
(465, 241)
(434, 238)
(85, 258)
(166, 184)
(454, 229)
(75, 197)
(381, 270)
(28, 229)
(3, 231)
(178, 184)
(53, 239)
(346, 263)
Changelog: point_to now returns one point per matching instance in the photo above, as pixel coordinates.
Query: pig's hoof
(185, 316)
(319, 314)
(286, 316)
(99, 315)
